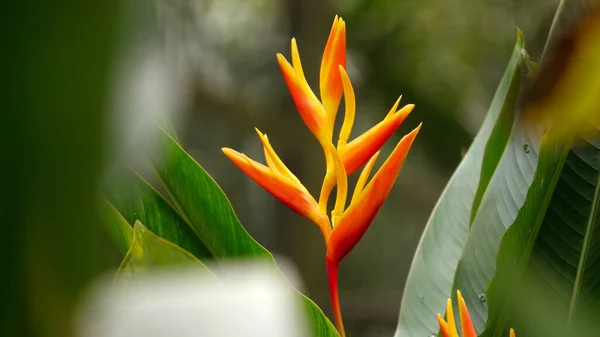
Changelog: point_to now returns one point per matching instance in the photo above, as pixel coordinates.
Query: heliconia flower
(347, 225)
(448, 329)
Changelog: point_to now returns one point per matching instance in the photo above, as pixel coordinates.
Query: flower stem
(332, 275)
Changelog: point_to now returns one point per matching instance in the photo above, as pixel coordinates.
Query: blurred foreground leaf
(118, 229)
(564, 257)
(429, 282)
(136, 200)
(149, 252)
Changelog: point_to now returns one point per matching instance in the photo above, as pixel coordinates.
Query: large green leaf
(117, 227)
(206, 208)
(430, 279)
(499, 207)
(558, 229)
(201, 201)
(136, 200)
(150, 252)
(523, 184)
(548, 259)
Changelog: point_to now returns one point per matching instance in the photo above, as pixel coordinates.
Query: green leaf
(548, 259)
(429, 282)
(150, 252)
(558, 228)
(500, 134)
(136, 200)
(206, 208)
(201, 201)
(564, 97)
(118, 229)
(499, 207)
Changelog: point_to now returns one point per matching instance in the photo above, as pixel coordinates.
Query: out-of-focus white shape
(246, 299)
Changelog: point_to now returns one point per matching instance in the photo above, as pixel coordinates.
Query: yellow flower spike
(297, 65)
(450, 317)
(512, 333)
(268, 159)
(468, 329)
(350, 103)
(273, 160)
(364, 175)
(333, 56)
(342, 185)
(393, 109)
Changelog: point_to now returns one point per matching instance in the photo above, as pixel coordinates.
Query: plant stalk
(332, 276)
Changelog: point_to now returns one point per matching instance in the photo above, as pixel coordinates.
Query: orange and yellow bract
(347, 223)
(448, 328)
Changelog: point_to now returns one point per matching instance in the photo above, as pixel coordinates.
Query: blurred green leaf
(564, 253)
(523, 184)
(136, 200)
(553, 245)
(517, 242)
(118, 229)
(150, 252)
(430, 279)
(206, 208)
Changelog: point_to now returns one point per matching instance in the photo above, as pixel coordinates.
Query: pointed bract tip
(280, 58)
(404, 111)
(512, 333)
(233, 155)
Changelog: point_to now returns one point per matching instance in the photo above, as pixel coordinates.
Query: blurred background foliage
(445, 56)
(69, 63)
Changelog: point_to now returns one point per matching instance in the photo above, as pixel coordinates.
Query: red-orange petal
(465, 319)
(290, 193)
(361, 149)
(444, 328)
(309, 107)
(333, 56)
(355, 221)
